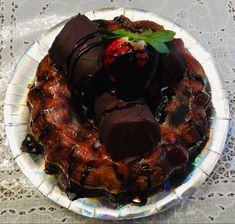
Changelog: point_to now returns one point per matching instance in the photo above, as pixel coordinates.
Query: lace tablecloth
(212, 22)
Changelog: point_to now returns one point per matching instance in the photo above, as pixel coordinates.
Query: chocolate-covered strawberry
(131, 60)
(129, 65)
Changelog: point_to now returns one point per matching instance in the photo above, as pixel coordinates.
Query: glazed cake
(116, 107)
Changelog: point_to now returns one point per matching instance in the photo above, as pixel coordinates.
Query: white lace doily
(211, 22)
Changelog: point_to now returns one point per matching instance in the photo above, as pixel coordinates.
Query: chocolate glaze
(160, 108)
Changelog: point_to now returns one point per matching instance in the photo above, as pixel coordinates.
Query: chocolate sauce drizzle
(145, 168)
(70, 168)
(30, 145)
(85, 174)
(160, 107)
(79, 44)
(83, 51)
(200, 142)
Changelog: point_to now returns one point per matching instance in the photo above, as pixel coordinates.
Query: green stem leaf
(163, 35)
(159, 46)
(155, 39)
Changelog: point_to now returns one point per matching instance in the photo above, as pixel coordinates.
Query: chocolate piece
(77, 48)
(126, 128)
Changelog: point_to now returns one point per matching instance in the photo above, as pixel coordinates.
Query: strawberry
(115, 49)
(122, 46)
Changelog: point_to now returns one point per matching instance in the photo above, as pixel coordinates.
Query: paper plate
(16, 120)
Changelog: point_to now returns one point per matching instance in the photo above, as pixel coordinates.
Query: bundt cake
(116, 107)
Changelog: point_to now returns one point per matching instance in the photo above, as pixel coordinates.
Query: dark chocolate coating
(108, 102)
(131, 78)
(171, 67)
(126, 128)
(77, 30)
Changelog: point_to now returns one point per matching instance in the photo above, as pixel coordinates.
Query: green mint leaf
(147, 32)
(124, 33)
(163, 35)
(107, 34)
(158, 45)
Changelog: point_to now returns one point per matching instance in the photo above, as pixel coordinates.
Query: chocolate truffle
(126, 128)
(77, 48)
